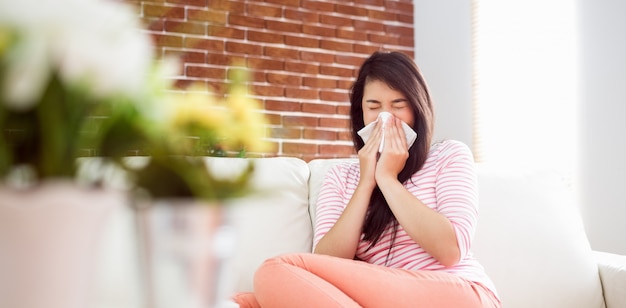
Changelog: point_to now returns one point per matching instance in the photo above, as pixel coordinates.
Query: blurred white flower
(95, 44)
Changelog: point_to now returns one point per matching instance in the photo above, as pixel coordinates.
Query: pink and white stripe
(446, 183)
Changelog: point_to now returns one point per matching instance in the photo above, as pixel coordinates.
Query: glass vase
(185, 248)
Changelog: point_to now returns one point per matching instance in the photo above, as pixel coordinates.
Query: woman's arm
(343, 237)
(431, 230)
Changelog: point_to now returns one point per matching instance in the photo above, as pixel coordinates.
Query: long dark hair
(400, 73)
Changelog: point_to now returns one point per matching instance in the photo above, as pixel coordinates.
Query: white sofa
(530, 236)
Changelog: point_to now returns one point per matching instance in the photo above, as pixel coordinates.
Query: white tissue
(384, 116)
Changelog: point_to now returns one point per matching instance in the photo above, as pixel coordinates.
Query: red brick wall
(303, 57)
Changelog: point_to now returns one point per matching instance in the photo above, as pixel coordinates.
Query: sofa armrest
(612, 268)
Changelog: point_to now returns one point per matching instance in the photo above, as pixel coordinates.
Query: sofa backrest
(274, 220)
(531, 240)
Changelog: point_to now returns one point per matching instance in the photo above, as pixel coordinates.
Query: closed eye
(399, 103)
(372, 104)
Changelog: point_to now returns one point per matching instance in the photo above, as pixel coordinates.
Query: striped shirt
(446, 183)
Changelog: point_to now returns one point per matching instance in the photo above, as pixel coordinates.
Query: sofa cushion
(272, 221)
(531, 240)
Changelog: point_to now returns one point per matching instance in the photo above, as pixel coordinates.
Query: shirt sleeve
(330, 202)
(457, 192)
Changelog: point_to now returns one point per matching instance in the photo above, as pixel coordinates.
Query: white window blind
(525, 82)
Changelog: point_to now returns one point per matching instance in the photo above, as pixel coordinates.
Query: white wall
(443, 53)
(603, 122)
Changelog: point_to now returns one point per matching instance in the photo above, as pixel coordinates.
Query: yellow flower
(248, 123)
(5, 40)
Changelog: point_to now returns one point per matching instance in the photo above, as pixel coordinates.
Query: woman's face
(378, 97)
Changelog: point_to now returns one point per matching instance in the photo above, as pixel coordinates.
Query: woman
(394, 229)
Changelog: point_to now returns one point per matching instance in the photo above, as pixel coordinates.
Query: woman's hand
(395, 152)
(368, 155)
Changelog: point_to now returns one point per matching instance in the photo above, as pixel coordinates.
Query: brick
(285, 2)
(205, 72)
(274, 119)
(210, 16)
(226, 32)
(273, 148)
(371, 2)
(304, 16)
(336, 71)
(310, 56)
(318, 30)
(335, 122)
(301, 93)
(188, 56)
(318, 6)
(226, 5)
(256, 76)
(283, 26)
(185, 27)
(157, 25)
(406, 18)
(266, 37)
(319, 134)
(349, 60)
(382, 15)
(308, 157)
(270, 91)
(299, 148)
(300, 121)
(282, 105)
(285, 133)
(246, 21)
(266, 64)
(337, 46)
(317, 82)
(399, 6)
(408, 41)
(301, 41)
(217, 87)
(284, 79)
(334, 96)
(189, 2)
(185, 83)
(319, 108)
(244, 48)
(335, 20)
(256, 9)
(202, 43)
(279, 52)
(363, 25)
(350, 9)
(344, 135)
(164, 40)
(338, 150)
(346, 84)
(367, 49)
(399, 30)
(167, 12)
(383, 39)
(218, 59)
(350, 34)
(302, 67)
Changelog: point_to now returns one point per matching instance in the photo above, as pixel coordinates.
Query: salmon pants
(310, 280)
